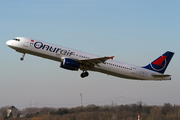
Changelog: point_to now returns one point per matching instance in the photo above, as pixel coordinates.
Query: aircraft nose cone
(8, 43)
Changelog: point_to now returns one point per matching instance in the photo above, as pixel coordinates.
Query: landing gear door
(25, 43)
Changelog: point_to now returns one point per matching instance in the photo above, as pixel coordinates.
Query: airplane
(75, 60)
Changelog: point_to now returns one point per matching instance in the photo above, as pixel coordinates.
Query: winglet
(112, 57)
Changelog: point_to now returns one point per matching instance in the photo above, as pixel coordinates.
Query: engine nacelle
(69, 64)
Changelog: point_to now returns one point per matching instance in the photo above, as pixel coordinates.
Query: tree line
(94, 112)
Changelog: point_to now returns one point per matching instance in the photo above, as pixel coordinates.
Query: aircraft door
(141, 73)
(25, 43)
(133, 72)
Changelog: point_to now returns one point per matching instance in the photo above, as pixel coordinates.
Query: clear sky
(135, 32)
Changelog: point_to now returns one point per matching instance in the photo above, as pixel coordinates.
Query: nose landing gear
(84, 74)
(22, 58)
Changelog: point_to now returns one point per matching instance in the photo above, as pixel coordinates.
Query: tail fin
(161, 63)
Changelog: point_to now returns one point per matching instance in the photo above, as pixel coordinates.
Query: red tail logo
(160, 61)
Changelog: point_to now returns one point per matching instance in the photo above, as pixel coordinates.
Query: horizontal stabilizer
(161, 75)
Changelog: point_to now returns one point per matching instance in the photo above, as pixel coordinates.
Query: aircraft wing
(95, 61)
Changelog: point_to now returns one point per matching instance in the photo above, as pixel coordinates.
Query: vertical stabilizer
(161, 63)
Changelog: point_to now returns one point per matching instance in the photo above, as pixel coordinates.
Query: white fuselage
(54, 52)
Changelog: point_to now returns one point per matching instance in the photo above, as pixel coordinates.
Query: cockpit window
(16, 39)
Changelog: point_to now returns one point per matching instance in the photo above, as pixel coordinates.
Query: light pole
(113, 102)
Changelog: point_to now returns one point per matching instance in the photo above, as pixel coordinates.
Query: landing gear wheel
(21, 58)
(84, 74)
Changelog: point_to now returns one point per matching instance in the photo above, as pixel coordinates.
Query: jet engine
(69, 64)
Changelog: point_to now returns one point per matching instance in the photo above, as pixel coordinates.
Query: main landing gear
(22, 58)
(84, 74)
